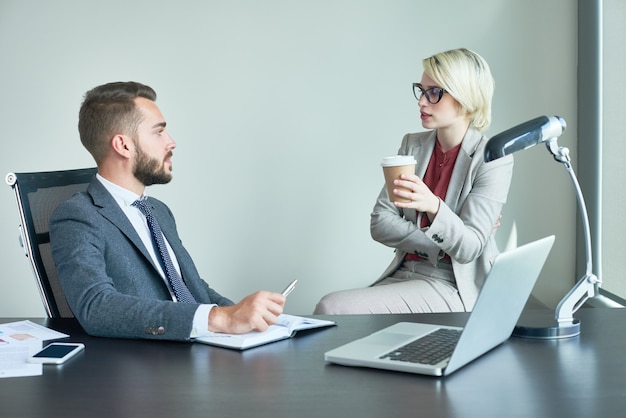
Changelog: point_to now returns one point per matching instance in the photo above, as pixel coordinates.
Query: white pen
(290, 288)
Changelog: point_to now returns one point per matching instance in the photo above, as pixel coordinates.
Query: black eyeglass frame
(433, 94)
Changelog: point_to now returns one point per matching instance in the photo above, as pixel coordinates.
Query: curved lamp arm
(587, 286)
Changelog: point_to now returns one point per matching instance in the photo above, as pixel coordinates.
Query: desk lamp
(525, 135)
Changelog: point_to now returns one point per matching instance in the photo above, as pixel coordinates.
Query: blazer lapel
(461, 167)
(422, 151)
(111, 211)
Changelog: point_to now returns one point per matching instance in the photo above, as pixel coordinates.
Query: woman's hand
(419, 196)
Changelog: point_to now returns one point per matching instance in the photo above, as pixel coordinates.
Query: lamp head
(523, 136)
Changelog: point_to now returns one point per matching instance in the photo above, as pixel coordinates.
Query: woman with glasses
(444, 235)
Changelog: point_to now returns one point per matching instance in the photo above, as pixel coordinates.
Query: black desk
(580, 377)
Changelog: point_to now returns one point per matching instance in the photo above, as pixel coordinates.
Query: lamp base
(549, 332)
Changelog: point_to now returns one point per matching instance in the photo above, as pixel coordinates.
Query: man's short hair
(108, 110)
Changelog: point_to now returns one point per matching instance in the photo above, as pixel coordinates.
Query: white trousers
(416, 287)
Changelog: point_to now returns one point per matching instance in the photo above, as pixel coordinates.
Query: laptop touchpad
(388, 338)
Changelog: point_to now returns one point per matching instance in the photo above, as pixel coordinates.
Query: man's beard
(150, 171)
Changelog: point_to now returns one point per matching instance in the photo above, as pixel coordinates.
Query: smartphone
(57, 353)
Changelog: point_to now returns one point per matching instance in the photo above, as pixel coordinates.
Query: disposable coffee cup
(393, 167)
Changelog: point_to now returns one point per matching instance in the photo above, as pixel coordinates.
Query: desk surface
(584, 376)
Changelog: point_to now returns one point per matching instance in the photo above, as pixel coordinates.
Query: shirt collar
(124, 197)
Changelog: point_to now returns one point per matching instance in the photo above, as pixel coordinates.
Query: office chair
(37, 195)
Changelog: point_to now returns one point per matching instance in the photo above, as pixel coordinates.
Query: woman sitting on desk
(443, 236)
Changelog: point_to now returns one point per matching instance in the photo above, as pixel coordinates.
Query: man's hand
(255, 312)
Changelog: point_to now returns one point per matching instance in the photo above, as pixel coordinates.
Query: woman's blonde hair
(464, 75)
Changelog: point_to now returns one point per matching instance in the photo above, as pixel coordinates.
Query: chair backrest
(37, 196)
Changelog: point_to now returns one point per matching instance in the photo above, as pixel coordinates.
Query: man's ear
(122, 145)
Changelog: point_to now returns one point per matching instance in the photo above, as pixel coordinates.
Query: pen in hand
(289, 288)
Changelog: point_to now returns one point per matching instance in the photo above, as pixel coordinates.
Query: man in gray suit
(107, 261)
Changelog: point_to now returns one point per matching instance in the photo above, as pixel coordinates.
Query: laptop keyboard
(430, 349)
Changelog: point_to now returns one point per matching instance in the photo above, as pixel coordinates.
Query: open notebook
(286, 327)
(497, 310)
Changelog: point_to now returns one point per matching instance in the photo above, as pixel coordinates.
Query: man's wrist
(199, 325)
(215, 320)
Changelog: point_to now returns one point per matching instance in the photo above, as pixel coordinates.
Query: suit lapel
(110, 210)
(422, 151)
(461, 168)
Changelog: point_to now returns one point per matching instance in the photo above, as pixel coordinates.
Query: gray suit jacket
(463, 228)
(109, 278)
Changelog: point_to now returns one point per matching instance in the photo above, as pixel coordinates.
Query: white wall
(282, 111)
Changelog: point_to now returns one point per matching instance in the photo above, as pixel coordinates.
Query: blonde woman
(443, 236)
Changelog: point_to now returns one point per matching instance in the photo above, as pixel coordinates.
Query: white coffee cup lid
(398, 160)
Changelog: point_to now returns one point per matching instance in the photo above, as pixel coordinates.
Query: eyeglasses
(433, 94)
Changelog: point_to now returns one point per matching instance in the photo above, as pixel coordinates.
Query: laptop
(496, 312)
